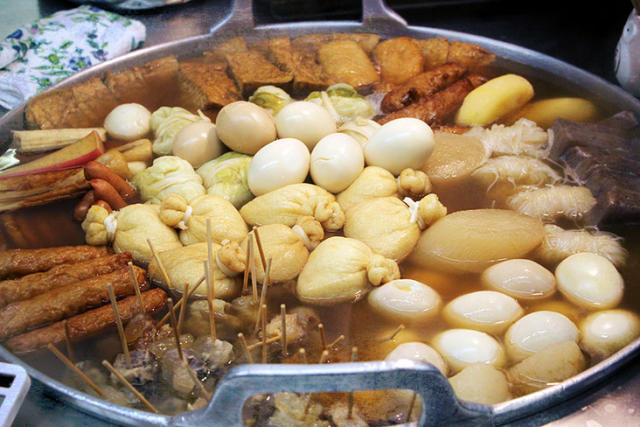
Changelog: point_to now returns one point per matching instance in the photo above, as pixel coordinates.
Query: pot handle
(440, 406)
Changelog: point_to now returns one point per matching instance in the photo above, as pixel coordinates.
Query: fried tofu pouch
(389, 226)
(191, 218)
(186, 265)
(129, 229)
(399, 59)
(344, 61)
(288, 248)
(342, 270)
(375, 182)
(287, 204)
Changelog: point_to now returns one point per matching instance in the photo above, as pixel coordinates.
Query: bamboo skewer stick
(323, 339)
(183, 308)
(264, 333)
(247, 268)
(270, 340)
(209, 252)
(67, 340)
(243, 341)
(136, 286)
(123, 338)
(175, 330)
(263, 294)
(336, 341)
(302, 353)
(252, 268)
(411, 405)
(324, 356)
(179, 304)
(395, 332)
(165, 276)
(127, 384)
(194, 378)
(354, 357)
(263, 259)
(75, 369)
(210, 294)
(283, 315)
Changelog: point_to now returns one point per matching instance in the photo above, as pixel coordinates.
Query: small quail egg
(605, 332)
(405, 300)
(245, 127)
(400, 144)
(485, 311)
(536, 331)
(128, 122)
(197, 143)
(305, 121)
(520, 278)
(590, 281)
(336, 161)
(418, 351)
(464, 347)
(282, 162)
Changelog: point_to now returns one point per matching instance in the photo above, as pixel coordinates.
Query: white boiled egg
(590, 281)
(305, 121)
(405, 300)
(245, 127)
(485, 311)
(520, 278)
(464, 347)
(282, 162)
(128, 122)
(336, 161)
(605, 332)
(400, 144)
(197, 143)
(418, 351)
(536, 331)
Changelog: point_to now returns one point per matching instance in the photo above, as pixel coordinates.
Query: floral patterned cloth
(39, 54)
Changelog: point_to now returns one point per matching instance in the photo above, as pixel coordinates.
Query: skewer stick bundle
(131, 388)
(243, 341)
(123, 339)
(136, 286)
(75, 369)
(67, 340)
(179, 304)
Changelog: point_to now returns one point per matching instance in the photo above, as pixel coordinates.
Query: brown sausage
(66, 301)
(95, 170)
(103, 204)
(38, 283)
(17, 262)
(81, 209)
(88, 323)
(105, 191)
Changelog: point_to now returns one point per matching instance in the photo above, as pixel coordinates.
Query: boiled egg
(536, 331)
(128, 122)
(418, 351)
(486, 311)
(336, 161)
(605, 332)
(197, 143)
(405, 301)
(305, 121)
(464, 347)
(520, 278)
(282, 162)
(245, 127)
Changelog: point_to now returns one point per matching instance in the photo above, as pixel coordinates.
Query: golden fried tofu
(344, 61)
(160, 73)
(219, 53)
(307, 73)
(279, 52)
(469, 55)
(94, 101)
(251, 70)
(399, 59)
(434, 50)
(127, 86)
(311, 41)
(201, 86)
(367, 41)
(49, 110)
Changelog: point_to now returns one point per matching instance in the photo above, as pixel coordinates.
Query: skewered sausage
(105, 191)
(95, 170)
(89, 323)
(66, 301)
(17, 262)
(38, 283)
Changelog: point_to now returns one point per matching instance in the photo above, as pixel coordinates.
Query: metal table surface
(572, 31)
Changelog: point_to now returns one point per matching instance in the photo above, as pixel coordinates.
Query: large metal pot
(440, 404)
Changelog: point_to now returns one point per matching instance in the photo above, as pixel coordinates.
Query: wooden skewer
(67, 339)
(123, 339)
(209, 252)
(252, 268)
(127, 384)
(354, 357)
(136, 286)
(395, 332)
(265, 286)
(302, 353)
(247, 268)
(175, 330)
(183, 308)
(243, 341)
(179, 304)
(283, 315)
(194, 378)
(336, 341)
(263, 259)
(264, 333)
(271, 340)
(165, 276)
(75, 369)
(323, 339)
(324, 356)
(411, 405)
(210, 294)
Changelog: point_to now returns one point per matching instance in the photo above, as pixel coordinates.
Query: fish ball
(305, 121)
(336, 161)
(520, 278)
(245, 127)
(536, 331)
(485, 311)
(482, 384)
(400, 144)
(197, 143)
(405, 301)
(605, 332)
(463, 347)
(282, 162)
(590, 281)
(128, 122)
(419, 351)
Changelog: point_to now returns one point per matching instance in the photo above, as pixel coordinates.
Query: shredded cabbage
(168, 174)
(343, 102)
(226, 177)
(271, 98)
(166, 122)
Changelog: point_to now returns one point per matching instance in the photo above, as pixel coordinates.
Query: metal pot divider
(241, 382)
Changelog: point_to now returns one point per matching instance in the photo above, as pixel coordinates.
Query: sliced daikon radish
(486, 311)
(520, 278)
(605, 332)
(463, 347)
(536, 331)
